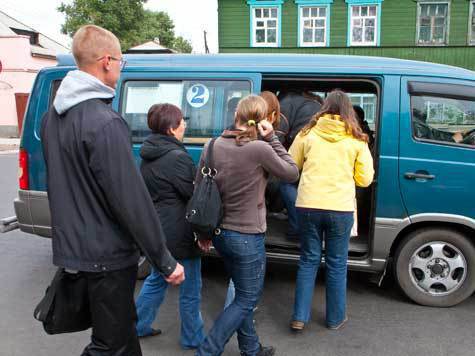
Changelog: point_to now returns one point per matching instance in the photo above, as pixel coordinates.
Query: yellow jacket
(332, 161)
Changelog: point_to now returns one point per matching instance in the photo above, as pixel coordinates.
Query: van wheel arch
(463, 229)
(456, 267)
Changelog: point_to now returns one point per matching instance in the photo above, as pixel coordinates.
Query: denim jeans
(245, 259)
(336, 227)
(288, 192)
(153, 292)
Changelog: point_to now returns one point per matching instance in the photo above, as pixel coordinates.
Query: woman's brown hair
(273, 107)
(249, 112)
(163, 117)
(338, 103)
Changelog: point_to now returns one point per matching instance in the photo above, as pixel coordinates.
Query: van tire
(144, 268)
(432, 281)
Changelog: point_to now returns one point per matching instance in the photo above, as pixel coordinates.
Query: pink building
(23, 52)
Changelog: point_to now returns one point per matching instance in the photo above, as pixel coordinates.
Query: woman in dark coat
(168, 172)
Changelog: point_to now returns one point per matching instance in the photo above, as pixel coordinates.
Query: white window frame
(447, 23)
(471, 17)
(326, 26)
(254, 28)
(362, 18)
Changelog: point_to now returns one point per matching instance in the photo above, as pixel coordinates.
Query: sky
(191, 18)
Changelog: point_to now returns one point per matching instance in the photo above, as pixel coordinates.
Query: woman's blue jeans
(153, 293)
(244, 256)
(335, 227)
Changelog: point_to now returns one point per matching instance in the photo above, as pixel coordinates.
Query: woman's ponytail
(249, 112)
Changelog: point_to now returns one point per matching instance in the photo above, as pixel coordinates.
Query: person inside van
(332, 154)
(297, 109)
(243, 158)
(168, 172)
(360, 116)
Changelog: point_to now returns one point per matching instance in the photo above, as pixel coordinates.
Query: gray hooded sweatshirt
(79, 86)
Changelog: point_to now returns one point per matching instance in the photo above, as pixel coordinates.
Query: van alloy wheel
(436, 266)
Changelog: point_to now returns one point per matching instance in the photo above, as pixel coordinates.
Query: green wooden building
(441, 31)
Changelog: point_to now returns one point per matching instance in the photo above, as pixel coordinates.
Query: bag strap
(42, 309)
(209, 154)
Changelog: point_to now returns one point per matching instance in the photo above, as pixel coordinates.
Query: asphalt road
(382, 321)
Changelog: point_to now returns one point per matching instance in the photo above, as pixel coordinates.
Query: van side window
(208, 105)
(445, 120)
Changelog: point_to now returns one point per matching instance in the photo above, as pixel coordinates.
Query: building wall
(398, 32)
(18, 74)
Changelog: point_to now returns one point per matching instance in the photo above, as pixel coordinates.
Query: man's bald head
(93, 42)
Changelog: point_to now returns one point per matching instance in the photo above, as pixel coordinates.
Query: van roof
(286, 63)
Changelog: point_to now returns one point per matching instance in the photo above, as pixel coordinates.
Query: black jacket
(298, 109)
(100, 206)
(168, 172)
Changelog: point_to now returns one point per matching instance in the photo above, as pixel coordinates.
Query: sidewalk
(9, 145)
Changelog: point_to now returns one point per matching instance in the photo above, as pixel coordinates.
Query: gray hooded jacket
(101, 210)
(79, 86)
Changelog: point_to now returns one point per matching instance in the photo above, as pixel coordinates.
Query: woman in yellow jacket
(332, 154)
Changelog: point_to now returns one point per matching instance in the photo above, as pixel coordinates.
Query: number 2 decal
(197, 95)
(198, 90)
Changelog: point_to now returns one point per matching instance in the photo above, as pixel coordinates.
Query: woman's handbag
(204, 210)
(65, 306)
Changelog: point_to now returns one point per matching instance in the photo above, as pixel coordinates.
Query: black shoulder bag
(65, 306)
(204, 210)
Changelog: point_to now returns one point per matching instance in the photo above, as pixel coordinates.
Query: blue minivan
(417, 217)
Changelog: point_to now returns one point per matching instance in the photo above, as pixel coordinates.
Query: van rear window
(208, 105)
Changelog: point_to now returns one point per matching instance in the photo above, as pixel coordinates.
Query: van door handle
(411, 175)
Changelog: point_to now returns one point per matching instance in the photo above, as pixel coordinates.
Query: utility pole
(206, 43)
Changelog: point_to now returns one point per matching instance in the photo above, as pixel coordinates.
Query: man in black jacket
(298, 107)
(101, 210)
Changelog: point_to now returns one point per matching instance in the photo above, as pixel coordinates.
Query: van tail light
(23, 170)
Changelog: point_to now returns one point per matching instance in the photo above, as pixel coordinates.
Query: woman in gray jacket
(243, 163)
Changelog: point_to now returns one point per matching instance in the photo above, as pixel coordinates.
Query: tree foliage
(182, 45)
(127, 19)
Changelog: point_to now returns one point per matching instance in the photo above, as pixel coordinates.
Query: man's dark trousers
(111, 298)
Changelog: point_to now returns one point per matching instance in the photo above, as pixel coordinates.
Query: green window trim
(314, 3)
(447, 24)
(471, 23)
(265, 4)
(349, 35)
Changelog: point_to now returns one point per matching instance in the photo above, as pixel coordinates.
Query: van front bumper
(32, 211)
